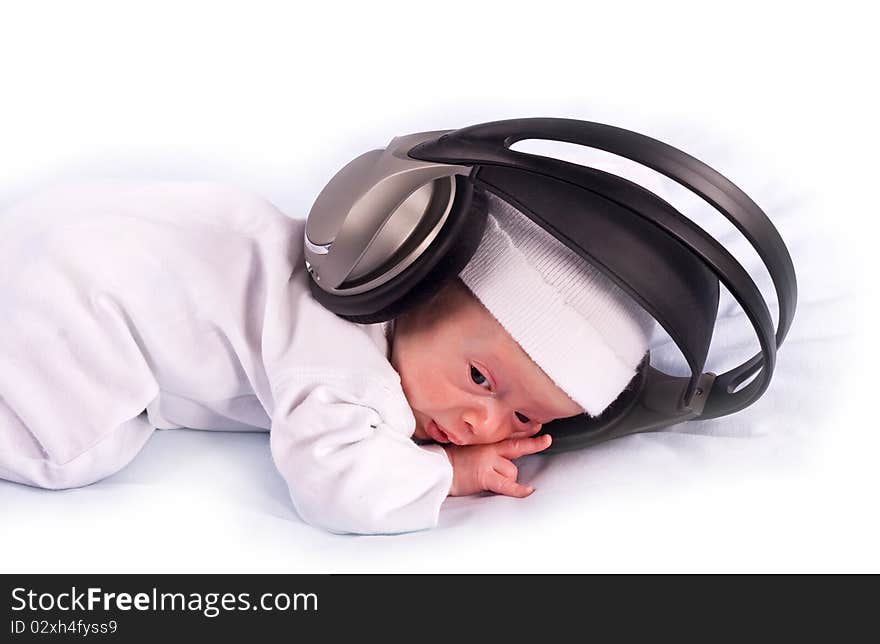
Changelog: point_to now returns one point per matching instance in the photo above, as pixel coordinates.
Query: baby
(130, 306)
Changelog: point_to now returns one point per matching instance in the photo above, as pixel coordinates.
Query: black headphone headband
(489, 144)
(663, 260)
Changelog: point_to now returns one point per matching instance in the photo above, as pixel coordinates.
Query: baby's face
(466, 379)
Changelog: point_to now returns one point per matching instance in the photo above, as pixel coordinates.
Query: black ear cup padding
(441, 262)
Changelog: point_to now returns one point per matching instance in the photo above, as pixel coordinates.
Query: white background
(278, 96)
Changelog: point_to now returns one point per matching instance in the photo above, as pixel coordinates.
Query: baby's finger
(516, 447)
(503, 485)
(506, 469)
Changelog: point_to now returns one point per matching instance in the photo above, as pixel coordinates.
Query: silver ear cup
(451, 249)
(407, 232)
(376, 216)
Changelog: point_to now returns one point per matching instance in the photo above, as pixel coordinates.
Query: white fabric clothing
(132, 305)
(22, 459)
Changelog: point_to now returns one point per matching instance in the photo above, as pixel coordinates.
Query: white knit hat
(582, 329)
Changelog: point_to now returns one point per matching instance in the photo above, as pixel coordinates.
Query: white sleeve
(348, 471)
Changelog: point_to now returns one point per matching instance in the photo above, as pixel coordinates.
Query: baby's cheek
(415, 385)
(425, 391)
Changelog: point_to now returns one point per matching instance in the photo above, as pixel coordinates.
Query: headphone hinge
(701, 393)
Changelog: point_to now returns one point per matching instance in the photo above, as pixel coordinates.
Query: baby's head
(462, 370)
(528, 333)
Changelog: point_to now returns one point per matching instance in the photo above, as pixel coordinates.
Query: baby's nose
(488, 421)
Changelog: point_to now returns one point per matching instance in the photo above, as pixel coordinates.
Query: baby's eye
(478, 377)
(522, 419)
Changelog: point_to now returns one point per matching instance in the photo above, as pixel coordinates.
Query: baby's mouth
(437, 434)
(433, 430)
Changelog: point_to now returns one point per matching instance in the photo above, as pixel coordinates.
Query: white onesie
(127, 306)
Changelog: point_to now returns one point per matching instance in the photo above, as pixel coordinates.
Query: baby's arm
(488, 467)
(347, 469)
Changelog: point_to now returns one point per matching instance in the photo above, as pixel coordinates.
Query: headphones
(394, 225)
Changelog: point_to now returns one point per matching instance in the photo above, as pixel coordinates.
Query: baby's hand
(487, 467)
